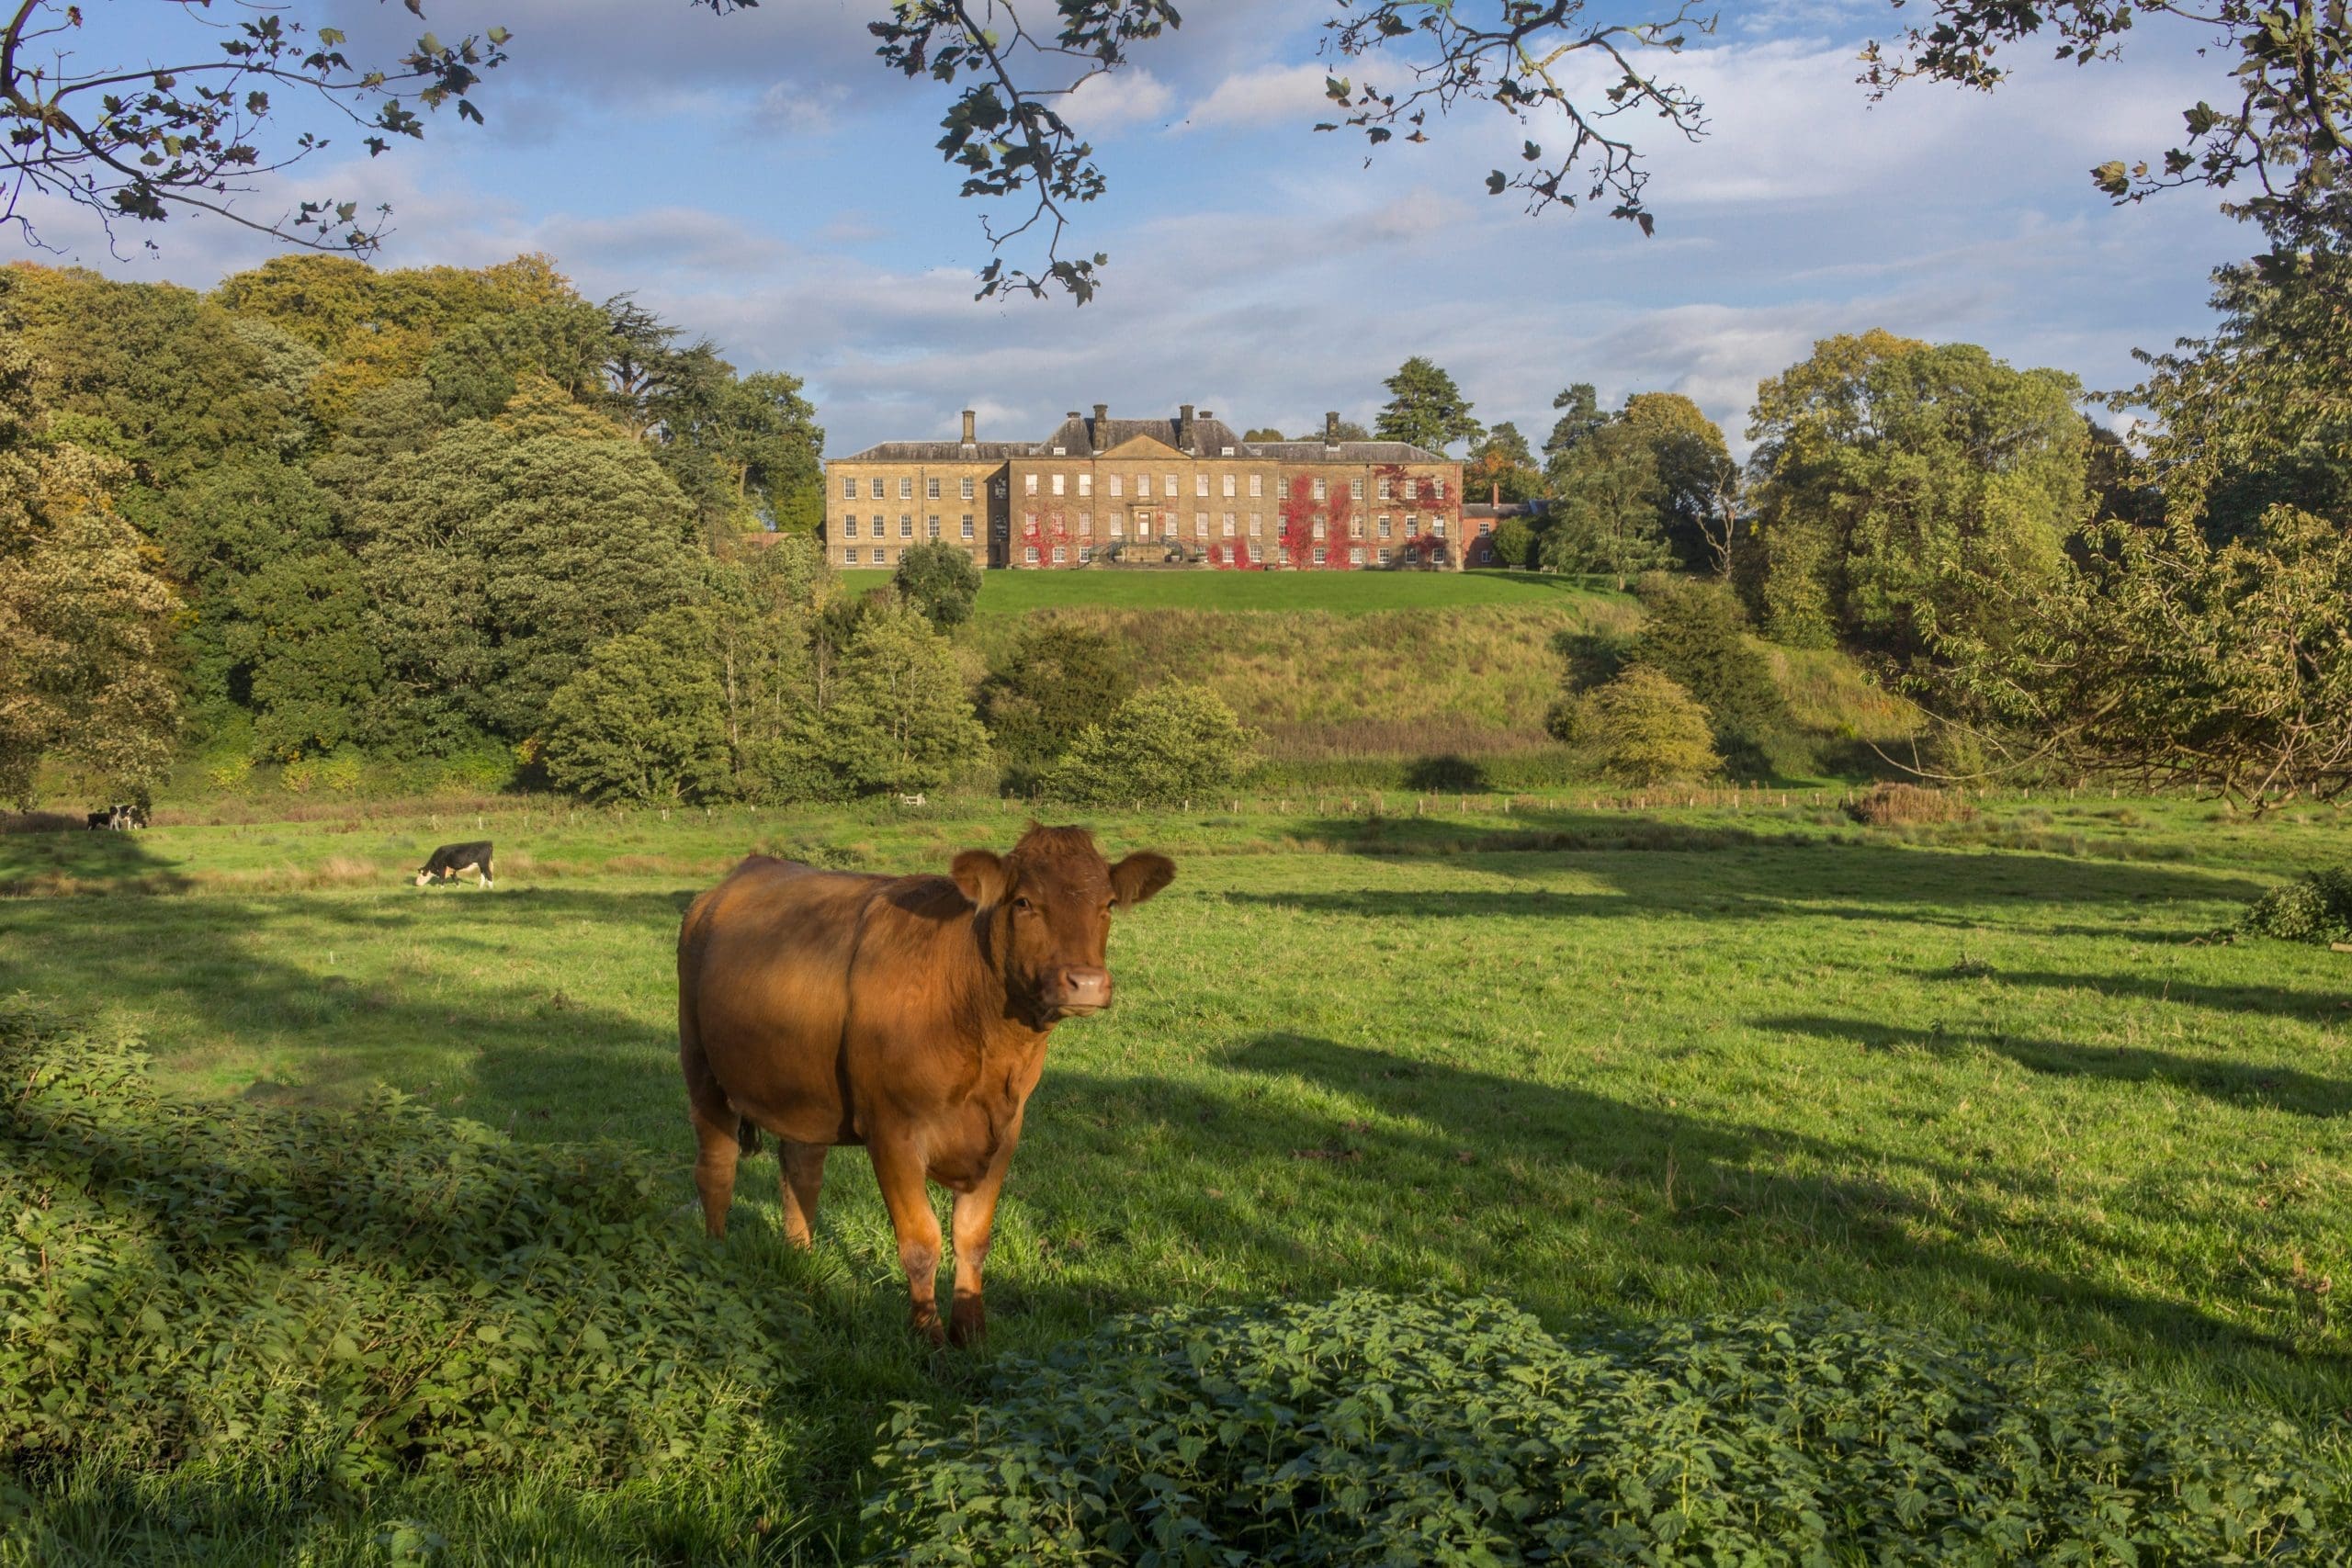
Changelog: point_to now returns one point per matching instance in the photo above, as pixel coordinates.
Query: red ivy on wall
(1423, 503)
(1299, 510)
(1041, 532)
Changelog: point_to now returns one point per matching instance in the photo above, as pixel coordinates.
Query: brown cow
(906, 1013)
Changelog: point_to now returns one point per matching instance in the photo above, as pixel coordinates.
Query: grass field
(1610, 1062)
(1331, 593)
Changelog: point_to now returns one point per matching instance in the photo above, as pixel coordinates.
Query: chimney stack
(1102, 418)
(1497, 493)
(1331, 428)
(969, 437)
(1184, 426)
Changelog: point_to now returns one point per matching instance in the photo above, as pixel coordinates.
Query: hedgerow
(1373, 1430)
(349, 1294)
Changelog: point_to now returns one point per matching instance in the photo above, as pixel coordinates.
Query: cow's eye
(1023, 904)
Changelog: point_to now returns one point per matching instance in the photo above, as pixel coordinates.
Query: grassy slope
(1336, 592)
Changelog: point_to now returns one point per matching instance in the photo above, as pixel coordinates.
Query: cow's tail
(747, 1133)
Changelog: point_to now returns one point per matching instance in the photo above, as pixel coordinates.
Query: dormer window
(1061, 451)
(1227, 450)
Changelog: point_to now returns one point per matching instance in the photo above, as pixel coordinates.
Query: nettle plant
(1371, 1430)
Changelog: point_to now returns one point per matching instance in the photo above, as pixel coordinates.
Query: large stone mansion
(1154, 491)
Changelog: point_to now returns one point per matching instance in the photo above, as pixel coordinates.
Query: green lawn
(1338, 593)
(1609, 1063)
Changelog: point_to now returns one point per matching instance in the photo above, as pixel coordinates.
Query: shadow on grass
(2229, 1083)
(77, 861)
(2267, 1001)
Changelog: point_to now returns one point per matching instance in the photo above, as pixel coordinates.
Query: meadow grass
(1610, 1062)
(1331, 593)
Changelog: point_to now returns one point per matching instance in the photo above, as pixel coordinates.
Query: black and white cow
(118, 819)
(451, 862)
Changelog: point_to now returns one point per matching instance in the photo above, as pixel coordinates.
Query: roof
(1080, 436)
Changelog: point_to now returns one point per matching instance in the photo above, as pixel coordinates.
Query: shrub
(939, 580)
(1514, 542)
(342, 773)
(641, 720)
(1649, 731)
(1895, 805)
(1369, 1429)
(2316, 907)
(258, 1292)
(1169, 744)
(228, 773)
(1696, 633)
(1054, 682)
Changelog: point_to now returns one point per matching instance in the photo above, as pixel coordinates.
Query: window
(1229, 525)
(1086, 525)
(906, 525)
(1412, 488)
(1118, 524)
(1437, 489)
(1200, 484)
(1061, 451)
(1355, 555)
(881, 557)
(1085, 553)
(1355, 489)
(906, 487)
(1029, 555)
(874, 487)
(1412, 525)
(849, 527)
(1029, 484)
(1058, 483)
(1228, 486)
(849, 490)
(849, 555)
(931, 489)
(1318, 529)
(1143, 486)
(1381, 554)
(1200, 523)
(1486, 526)
(1115, 480)
(967, 488)
(1322, 488)
(1060, 555)
(1355, 527)
(1437, 527)
(931, 526)
(1257, 524)
(1387, 489)
(1384, 525)
(1143, 525)
(1086, 484)
(876, 521)
(1028, 522)
(1257, 486)
(1412, 554)
(1321, 555)
(1169, 491)
(1226, 451)
(967, 525)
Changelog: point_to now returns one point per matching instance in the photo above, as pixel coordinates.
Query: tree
(1910, 492)
(901, 721)
(85, 615)
(766, 608)
(1502, 465)
(940, 579)
(299, 630)
(1696, 634)
(1650, 730)
(1580, 415)
(1425, 408)
(500, 554)
(1345, 430)
(1172, 743)
(1603, 515)
(190, 129)
(1515, 542)
(1264, 433)
(641, 720)
(1056, 679)
(1699, 493)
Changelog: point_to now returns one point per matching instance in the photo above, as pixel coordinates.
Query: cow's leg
(800, 1176)
(718, 1148)
(898, 1170)
(974, 1223)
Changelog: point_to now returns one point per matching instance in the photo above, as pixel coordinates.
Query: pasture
(1612, 1062)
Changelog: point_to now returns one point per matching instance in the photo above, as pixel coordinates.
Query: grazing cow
(107, 820)
(906, 1013)
(451, 862)
(118, 819)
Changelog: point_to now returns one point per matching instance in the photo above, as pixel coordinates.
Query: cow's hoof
(967, 1324)
(926, 1324)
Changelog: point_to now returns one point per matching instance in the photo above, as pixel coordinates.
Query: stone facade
(1185, 490)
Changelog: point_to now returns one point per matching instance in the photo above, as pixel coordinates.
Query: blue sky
(761, 179)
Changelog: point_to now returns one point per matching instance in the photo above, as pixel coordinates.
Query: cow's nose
(1085, 988)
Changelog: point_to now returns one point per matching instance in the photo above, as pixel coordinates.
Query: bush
(1374, 1430)
(1696, 634)
(1514, 542)
(900, 718)
(259, 1293)
(939, 580)
(641, 720)
(1649, 730)
(2316, 907)
(1172, 743)
(1895, 805)
(1054, 681)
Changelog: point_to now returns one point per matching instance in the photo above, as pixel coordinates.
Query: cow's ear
(1139, 876)
(980, 876)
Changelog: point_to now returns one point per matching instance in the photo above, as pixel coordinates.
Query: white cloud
(1269, 95)
(1107, 104)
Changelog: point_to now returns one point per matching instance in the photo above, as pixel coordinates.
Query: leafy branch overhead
(193, 131)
